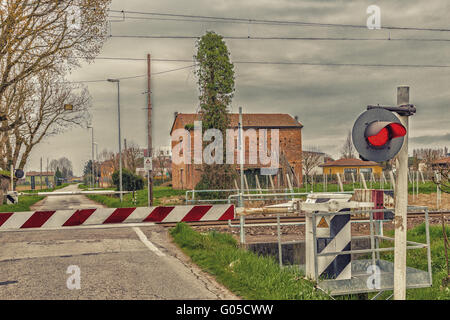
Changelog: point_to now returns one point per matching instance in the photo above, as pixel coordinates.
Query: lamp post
(120, 138)
(92, 158)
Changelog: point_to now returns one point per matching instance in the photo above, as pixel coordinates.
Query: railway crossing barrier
(62, 219)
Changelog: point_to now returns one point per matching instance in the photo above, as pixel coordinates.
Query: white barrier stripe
(99, 216)
(215, 212)
(58, 218)
(178, 213)
(138, 215)
(336, 245)
(17, 220)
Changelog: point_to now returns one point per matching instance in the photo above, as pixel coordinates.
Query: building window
(366, 170)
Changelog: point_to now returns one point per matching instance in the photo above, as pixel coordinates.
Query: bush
(130, 181)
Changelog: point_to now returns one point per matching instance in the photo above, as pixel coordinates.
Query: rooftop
(349, 163)
(37, 174)
(250, 120)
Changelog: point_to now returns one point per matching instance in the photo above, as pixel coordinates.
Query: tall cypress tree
(216, 83)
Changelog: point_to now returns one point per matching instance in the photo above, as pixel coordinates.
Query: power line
(265, 21)
(182, 37)
(332, 64)
(132, 77)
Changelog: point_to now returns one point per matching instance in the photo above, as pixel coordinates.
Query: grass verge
(425, 188)
(141, 198)
(24, 204)
(418, 259)
(244, 273)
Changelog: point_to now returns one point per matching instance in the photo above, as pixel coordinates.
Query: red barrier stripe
(38, 219)
(196, 213)
(78, 218)
(159, 214)
(119, 215)
(228, 215)
(4, 217)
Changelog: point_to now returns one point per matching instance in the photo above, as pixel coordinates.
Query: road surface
(113, 263)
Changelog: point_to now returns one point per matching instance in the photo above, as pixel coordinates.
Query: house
(187, 175)
(443, 163)
(348, 166)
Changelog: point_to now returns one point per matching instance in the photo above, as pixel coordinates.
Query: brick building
(187, 175)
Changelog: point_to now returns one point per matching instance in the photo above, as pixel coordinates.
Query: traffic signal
(378, 135)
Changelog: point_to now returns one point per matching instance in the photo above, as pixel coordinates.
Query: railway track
(290, 219)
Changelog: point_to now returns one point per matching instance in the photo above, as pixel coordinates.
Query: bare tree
(45, 115)
(64, 165)
(348, 150)
(37, 35)
(428, 155)
(311, 160)
(134, 157)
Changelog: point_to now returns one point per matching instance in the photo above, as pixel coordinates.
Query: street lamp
(92, 159)
(120, 138)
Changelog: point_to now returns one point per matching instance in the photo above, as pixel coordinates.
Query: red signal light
(379, 139)
(393, 130)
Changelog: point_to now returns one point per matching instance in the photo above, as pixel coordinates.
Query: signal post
(380, 135)
(401, 204)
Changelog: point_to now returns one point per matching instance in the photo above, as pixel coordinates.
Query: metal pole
(12, 177)
(120, 142)
(401, 205)
(280, 253)
(241, 156)
(149, 131)
(92, 161)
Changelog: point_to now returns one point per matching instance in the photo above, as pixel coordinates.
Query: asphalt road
(113, 263)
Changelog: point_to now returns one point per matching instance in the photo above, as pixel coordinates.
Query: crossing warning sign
(148, 164)
(323, 223)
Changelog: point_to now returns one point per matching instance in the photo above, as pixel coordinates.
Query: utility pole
(241, 157)
(92, 157)
(401, 204)
(149, 131)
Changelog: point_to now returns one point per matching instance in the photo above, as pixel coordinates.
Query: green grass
(141, 198)
(24, 204)
(418, 259)
(243, 272)
(427, 187)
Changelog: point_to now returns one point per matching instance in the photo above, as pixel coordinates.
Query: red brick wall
(186, 176)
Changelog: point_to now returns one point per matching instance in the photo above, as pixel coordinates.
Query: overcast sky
(327, 99)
